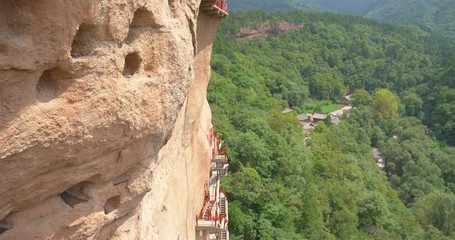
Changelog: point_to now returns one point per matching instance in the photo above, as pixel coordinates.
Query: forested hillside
(436, 15)
(267, 5)
(355, 7)
(283, 186)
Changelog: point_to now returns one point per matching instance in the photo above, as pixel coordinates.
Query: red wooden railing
(211, 206)
(209, 137)
(222, 5)
(206, 202)
(215, 144)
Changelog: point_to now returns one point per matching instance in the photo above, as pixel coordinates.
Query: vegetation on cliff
(328, 186)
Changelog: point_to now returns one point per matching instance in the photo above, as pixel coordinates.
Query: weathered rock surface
(266, 30)
(103, 118)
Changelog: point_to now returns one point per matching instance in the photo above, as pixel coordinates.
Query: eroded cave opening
(5, 225)
(172, 5)
(143, 21)
(112, 204)
(143, 18)
(83, 40)
(77, 194)
(132, 64)
(52, 83)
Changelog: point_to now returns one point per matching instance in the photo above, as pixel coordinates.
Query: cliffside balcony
(214, 214)
(214, 7)
(213, 217)
(220, 168)
(219, 156)
(212, 225)
(219, 149)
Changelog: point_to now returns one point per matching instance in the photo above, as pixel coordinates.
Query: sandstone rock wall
(103, 118)
(265, 30)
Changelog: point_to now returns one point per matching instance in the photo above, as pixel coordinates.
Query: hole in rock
(82, 42)
(143, 18)
(172, 6)
(112, 204)
(132, 64)
(143, 21)
(52, 83)
(76, 194)
(5, 225)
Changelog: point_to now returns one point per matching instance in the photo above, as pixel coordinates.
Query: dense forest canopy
(437, 15)
(268, 5)
(355, 7)
(327, 186)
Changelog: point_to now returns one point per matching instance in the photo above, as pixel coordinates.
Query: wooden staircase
(213, 217)
(207, 212)
(223, 206)
(224, 235)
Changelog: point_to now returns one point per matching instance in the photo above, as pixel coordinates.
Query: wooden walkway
(214, 214)
(216, 8)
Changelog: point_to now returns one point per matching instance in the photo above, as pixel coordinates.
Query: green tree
(373, 210)
(413, 103)
(245, 186)
(385, 104)
(437, 209)
(255, 153)
(361, 98)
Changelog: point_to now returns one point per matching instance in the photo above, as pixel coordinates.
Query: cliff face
(266, 30)
(103, 118)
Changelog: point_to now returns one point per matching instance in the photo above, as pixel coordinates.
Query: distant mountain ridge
(438, 15)
(355, 7)
(267, 5)
(435, 14)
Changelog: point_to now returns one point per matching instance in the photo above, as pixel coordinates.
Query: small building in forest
(319, 116)
(287, 110)
(346, 100)
(303, 118)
